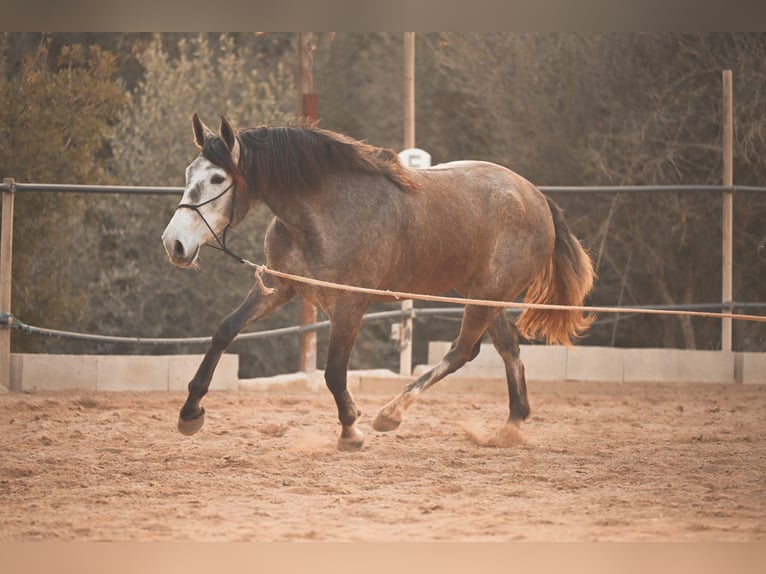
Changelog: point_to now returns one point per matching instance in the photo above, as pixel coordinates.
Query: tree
(667, 248)
(618, 109)
(152, 146)
(152, 142)
(56, 118)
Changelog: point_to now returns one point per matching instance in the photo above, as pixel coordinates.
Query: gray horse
(350, 213)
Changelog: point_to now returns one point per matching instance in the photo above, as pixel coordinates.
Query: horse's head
(211, 203)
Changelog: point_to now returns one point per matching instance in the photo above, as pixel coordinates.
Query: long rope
(260, 269)
(9, 321)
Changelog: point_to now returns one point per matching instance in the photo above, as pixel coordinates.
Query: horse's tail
(565, 280)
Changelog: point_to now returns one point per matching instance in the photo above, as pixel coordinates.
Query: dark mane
(299, 159)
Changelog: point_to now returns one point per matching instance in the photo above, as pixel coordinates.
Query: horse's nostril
(178, 250)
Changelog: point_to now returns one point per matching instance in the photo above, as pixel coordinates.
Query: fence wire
(9, 321)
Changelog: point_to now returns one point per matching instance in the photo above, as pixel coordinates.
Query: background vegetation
(559, 108)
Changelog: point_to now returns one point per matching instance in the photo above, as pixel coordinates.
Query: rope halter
(220, 240)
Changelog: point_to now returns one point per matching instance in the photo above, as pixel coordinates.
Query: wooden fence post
(309, 110)
(727, 221)
(6, 253)
(406, 329)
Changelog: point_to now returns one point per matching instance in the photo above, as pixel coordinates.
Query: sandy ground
(615, 462)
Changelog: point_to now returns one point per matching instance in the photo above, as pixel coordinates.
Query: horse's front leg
(263, 298)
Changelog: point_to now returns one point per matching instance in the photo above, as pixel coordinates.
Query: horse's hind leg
(345, 322)
(263, 298)
(505, 337)
(464, 349)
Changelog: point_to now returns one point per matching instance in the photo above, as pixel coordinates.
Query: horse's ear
(201, 131)
(229, 137)
(227, 133)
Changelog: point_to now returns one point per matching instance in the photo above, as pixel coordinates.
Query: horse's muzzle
(178, 253)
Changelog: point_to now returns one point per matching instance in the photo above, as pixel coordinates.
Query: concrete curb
(31, 372)
(607, 364)
(545, 366)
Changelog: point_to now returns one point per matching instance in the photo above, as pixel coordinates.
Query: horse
(347, 212)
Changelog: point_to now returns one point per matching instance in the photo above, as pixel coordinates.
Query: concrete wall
(606, 364)
(116, 372)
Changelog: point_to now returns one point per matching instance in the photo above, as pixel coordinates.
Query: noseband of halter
(221, 241)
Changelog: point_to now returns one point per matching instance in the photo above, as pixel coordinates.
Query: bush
(152, 146)
(56, 116)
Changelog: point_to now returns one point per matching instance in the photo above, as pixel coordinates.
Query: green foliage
(55, 120)
(153, 145)
(359, 79)
(153, 142)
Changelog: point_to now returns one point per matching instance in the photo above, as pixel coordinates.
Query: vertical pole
(6, 252)
(727, 222)
(409, 89)
(405, 354)
(309, 110)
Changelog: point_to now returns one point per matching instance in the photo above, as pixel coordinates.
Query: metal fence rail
(13, 186)
(16, 187)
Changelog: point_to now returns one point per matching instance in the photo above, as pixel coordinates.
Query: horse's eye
(216, 179)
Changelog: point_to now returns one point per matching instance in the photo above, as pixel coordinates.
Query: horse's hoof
(385, 423)
(191, 426)
(351, 440)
